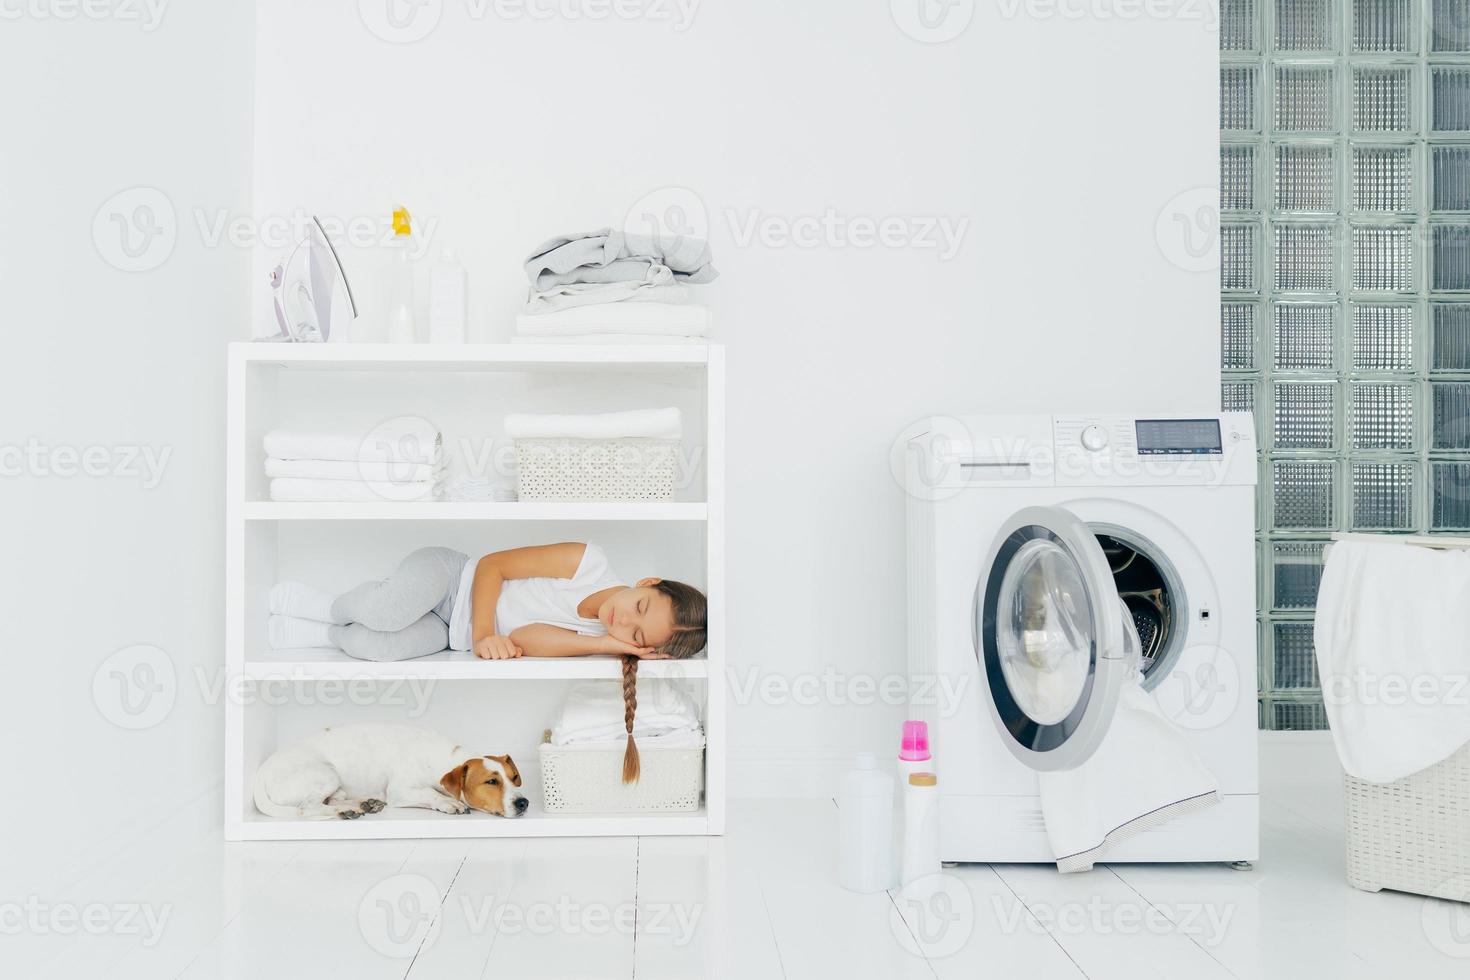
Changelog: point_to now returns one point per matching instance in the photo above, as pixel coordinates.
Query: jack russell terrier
(349, 770)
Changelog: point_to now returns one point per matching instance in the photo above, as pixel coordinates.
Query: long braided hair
(690, 616)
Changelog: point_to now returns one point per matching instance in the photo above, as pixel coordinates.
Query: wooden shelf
(401, 823)
(265, 510)
(328, 664)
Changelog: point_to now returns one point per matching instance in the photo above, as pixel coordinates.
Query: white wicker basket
(588, 778)
(596, 469)
(1412, 835)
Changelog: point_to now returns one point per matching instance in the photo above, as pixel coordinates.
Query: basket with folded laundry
(608, 287)
(611, 456)
(1392, 642)
(582, 755)
(401, 460)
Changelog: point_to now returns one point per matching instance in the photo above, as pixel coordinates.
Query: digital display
(1179, 437)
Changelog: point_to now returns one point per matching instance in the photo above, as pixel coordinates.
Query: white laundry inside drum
(1044, 631)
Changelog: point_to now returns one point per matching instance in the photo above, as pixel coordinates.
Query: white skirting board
(815, 773)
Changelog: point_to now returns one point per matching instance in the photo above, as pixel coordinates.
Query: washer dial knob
(1095, 438)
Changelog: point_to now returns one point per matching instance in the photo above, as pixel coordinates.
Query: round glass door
(1049, 635)
(1044, 631)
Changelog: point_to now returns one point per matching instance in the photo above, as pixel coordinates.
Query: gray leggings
(404, 616)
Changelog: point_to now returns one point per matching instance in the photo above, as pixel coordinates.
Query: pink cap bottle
(913, 755)
(915, 745)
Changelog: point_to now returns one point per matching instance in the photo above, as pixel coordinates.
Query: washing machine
(1111, 520)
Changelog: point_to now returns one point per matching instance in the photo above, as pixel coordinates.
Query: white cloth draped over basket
(1392, 637)
(1392, 640)
(582, 755)
(593, 712)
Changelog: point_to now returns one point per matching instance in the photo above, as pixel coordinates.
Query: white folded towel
(479, 489)
(660, 319)
(410, 440)
(610, 339)
(337, 469)
(684, 739)
(648, 423)
(288, 489)
(658, 286)
(593, 712)
(1143, 773)
(1393, 654)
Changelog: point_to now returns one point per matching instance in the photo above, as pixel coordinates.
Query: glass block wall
(1345, 289)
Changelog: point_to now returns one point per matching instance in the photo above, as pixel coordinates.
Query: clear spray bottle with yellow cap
(401, 326)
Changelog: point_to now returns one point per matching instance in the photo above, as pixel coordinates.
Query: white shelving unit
(273, 697)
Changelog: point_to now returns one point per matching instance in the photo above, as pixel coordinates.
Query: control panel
(1154, 450)
(1036, 450)
(1094, 435)
(1179, 437)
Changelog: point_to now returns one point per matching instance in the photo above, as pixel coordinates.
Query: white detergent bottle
(401, 329)
(448, 289)
(865, 827)
(913, 754)
(920, 827)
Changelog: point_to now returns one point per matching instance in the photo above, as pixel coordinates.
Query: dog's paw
(348, 814)
(372, 806)
(452, 806)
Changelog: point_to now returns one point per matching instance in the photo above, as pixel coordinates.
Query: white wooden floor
(760, 902)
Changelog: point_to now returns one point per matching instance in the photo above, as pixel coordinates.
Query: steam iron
(304, 285)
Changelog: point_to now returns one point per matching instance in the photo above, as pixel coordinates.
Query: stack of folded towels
(667, 716)
(607, 287)
(398, 461)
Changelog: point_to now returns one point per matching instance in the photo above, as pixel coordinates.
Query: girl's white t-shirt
(552, 601)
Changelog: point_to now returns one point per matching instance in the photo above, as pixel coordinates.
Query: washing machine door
(1051, 638)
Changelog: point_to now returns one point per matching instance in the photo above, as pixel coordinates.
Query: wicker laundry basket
(1412, 835)
(596, 469)
(588, 778)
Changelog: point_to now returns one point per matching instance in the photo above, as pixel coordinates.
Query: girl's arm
(542, 640)
(492, 571)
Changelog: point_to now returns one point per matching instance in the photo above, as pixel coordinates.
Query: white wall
(1059, 141)
(111, 362)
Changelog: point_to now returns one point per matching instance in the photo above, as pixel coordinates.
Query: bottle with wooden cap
(920, 827)
(913, 751)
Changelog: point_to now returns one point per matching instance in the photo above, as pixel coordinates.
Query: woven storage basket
(588, 778)
(1412, 835)
(596, 469)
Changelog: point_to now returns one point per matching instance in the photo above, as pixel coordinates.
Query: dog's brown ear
(510, 768)
(453, 781)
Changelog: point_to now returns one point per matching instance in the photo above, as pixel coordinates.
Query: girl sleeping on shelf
(554, 600)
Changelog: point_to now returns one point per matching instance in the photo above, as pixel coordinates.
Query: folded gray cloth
(611, 256)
